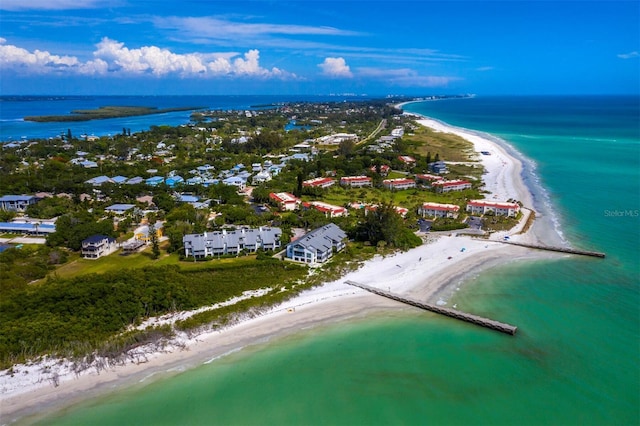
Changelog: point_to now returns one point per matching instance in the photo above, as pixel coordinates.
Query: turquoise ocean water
(575, 359)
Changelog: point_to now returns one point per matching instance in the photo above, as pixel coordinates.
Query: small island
(106, 112)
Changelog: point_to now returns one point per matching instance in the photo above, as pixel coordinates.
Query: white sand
(425, 273)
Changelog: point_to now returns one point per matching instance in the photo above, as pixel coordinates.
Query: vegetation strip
(106, 112)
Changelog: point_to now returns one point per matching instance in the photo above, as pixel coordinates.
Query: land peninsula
(162, 310)
(105, 112)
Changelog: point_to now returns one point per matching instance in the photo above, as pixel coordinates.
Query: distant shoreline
(105, 112)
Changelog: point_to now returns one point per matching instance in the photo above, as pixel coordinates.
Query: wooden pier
(474, 319)
(558, 249)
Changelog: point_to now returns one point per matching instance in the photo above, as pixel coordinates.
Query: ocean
(13, 109)
(573, 361)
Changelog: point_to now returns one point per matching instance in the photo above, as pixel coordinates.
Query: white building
(231, 242)
(329, 210)
(438, 210)
(399, 183)
(318, 245)
(97, 246)
(285, 201)
(320, 182)
(451, 185)
(355, 181)
(498, 208)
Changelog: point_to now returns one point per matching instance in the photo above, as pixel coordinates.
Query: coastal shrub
(62, 315)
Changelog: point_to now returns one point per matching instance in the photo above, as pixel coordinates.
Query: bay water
(574, 360)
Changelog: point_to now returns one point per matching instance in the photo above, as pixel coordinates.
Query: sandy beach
(430, 272)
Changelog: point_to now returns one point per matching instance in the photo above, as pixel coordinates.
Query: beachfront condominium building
(328, 210)
(318, 245)
(427, 179)
(450, 185)
(438, 210)
(355, 181)
(495, 207)
(223, 242)
(321, 182)
(285, 201)
(399, 183)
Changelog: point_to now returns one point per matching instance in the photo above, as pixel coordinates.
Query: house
(497, 208)
(399, 183)
(142, 232)
(285, 201)
(134, 180)
(438, 210)
(398, 132)
(145, 199)
(99, 180)
(97, 246)
(89, 164)
(329, 210)
(261, 177)
(187, 198)
(119, 179)
(437, 167)
(235, 181)
(321, 182)
(119, 209)
(318, 245)
(384, 169)
(407, 160)
(154, 181)
(355, 181)
(451, 185)
(223, 242)
(196, 180)
(174, 180)
(17, 203)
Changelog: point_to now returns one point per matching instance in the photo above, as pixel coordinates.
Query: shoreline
(429, 272)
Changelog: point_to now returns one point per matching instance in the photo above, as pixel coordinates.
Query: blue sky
(319, 47)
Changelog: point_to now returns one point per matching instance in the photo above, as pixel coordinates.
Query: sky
(372, 47)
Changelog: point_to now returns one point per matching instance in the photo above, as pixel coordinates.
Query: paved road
(373, 134)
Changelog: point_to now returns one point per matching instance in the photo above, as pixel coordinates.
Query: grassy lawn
(450, 147)
(114, 262)
(410, 198)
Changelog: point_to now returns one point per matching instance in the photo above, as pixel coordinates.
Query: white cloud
(113, 57)
(629, 55)
(14, 5)
(483, 69)
(210, 27)
(405, 77)
(335, 67)
(42, 61)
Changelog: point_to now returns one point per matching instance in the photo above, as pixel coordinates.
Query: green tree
(164, 201)
(153, 237)
(346, 147)
(385, 224)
